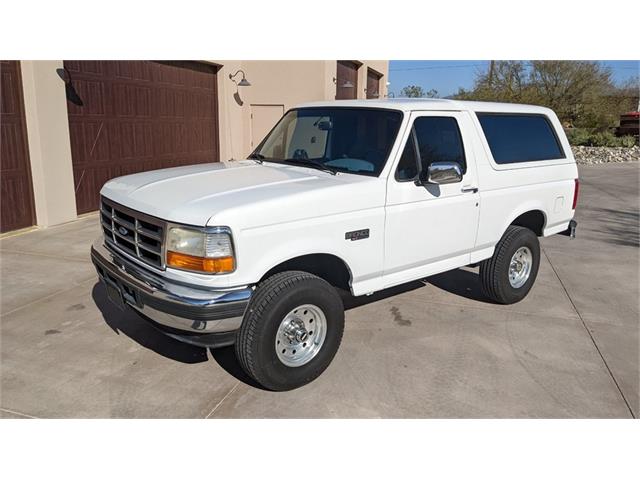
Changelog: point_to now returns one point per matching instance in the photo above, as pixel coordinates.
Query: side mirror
(441, 173)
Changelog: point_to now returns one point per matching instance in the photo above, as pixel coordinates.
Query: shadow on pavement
(458, 282)
(226, 358)
(617, 226)
(353, 302)
(135, 327)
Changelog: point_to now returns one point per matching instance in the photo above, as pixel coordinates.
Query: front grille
(132, 232)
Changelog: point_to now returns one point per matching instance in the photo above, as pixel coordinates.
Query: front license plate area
(115, 295)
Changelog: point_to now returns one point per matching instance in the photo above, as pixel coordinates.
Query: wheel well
(326, 266)
(533, 220)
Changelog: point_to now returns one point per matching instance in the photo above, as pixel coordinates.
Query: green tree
(581, 93)
(412, 91)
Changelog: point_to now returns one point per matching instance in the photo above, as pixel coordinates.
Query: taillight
(575, 193)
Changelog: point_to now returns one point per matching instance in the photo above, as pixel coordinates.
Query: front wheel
(509, 274)
(291, 331)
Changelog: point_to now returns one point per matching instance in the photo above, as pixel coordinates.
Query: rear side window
(515, 138)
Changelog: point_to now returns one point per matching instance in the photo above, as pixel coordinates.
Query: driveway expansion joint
(593, 340)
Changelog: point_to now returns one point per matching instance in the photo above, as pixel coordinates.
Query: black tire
(273, 299)
(494, 272)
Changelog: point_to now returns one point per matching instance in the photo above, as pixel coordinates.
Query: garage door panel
(139, 116)
(16, 205)
(92, 93)
(12, 148)
(98, 135)
(16, 193)
(140, 71)
(8, 95)
(124, 98)
(132, 101)
(96, 68)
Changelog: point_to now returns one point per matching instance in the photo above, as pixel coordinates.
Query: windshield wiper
(258, 157)
(310, 163)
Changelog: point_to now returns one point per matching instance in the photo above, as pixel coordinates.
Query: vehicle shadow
(350, 301)
(145, 334)
(142, 332)
(458, 282)
(226, 358)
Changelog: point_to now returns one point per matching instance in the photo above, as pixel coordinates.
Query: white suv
(350, 195)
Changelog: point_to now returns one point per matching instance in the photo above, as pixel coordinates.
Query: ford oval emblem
(123, 231)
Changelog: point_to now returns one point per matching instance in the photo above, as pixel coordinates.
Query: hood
(194, 194)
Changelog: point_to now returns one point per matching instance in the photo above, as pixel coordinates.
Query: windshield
(352, 140)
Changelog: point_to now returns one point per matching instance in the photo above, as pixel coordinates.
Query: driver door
(431, 228)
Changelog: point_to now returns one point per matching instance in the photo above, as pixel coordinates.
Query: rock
(595, 155)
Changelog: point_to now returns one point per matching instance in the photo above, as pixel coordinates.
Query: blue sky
(446, 76)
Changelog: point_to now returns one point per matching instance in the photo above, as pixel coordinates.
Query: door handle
(469, 190)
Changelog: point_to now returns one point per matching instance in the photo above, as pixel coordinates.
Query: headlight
(200, 250)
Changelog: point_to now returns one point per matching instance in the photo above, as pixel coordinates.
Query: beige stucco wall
(45, 108)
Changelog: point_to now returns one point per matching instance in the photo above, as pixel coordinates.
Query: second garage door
(133, 116)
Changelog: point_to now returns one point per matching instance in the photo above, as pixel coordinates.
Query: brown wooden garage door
(137, 116)
(347, 80)
(16, 201)
(373, 83)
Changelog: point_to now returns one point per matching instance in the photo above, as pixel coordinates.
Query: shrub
(579, 136)
(606, 138)
(627, 141)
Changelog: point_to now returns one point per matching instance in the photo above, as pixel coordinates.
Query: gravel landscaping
(594, 155)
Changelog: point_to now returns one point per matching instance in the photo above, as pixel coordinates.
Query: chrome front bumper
(183, 308)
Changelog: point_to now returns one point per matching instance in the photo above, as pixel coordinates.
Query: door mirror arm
(421, 179)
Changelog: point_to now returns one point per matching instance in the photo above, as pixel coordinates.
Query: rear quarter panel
(509, 190)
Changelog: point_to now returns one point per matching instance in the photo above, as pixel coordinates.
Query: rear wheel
(291, 331)
(509, 274)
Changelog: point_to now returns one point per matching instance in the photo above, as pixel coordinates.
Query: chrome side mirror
(444, 172)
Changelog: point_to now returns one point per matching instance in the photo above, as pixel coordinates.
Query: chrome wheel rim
(520, 267)
(301, 335)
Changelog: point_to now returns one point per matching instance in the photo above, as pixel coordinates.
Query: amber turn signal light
(200, 264)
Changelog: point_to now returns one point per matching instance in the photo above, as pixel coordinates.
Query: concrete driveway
(430, 349)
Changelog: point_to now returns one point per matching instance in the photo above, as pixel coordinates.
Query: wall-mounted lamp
(346, 84)
(242, 83)
(70, 91)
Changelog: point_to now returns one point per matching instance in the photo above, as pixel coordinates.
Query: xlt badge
(357, 235)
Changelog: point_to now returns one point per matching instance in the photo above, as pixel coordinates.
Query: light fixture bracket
(243, 81)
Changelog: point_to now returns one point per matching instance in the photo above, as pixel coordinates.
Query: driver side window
(438, 139)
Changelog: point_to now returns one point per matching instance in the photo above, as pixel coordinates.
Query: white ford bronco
(355, 195)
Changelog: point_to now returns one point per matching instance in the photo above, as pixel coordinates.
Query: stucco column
(45, 108)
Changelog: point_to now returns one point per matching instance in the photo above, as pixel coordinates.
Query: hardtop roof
(431, 104)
